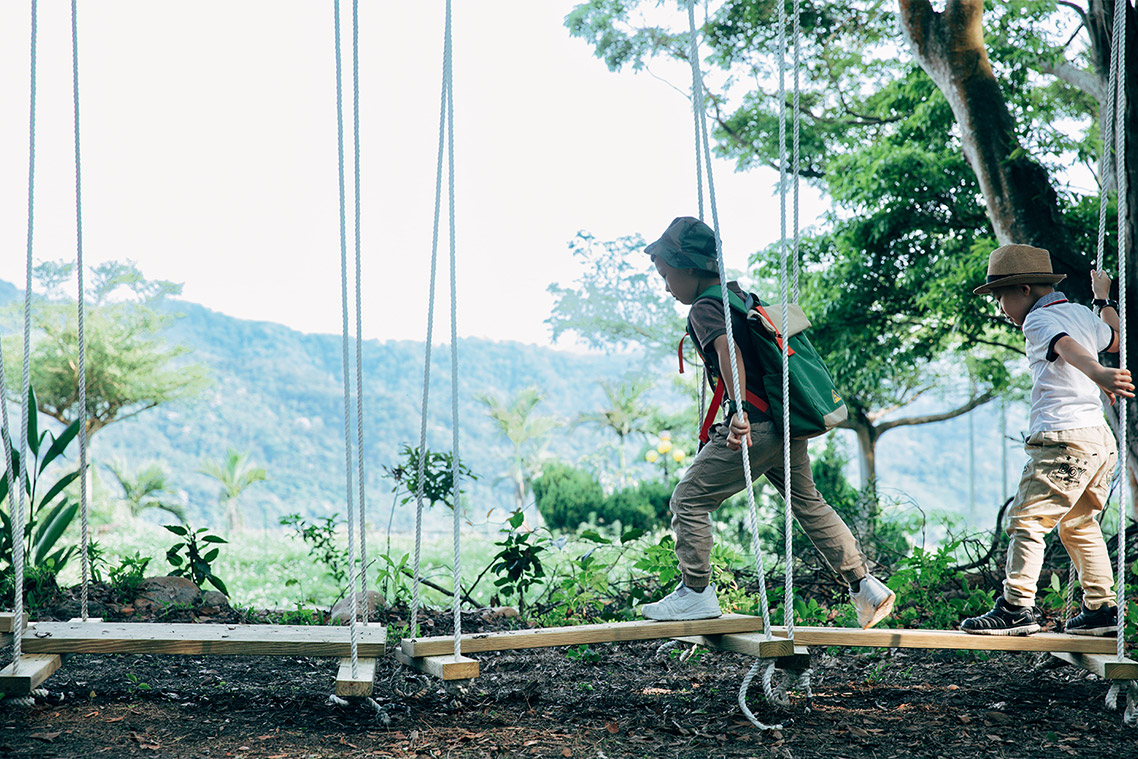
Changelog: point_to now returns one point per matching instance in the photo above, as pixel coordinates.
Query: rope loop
(743, 699)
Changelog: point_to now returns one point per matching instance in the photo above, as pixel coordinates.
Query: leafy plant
(518, 563)
(188, 559)
(321, 539)
(567, 496)
(40, 587)
(438, 480)
(49, 515)
(583, 653)
(128, 574)
(392, 578)
(921, 582)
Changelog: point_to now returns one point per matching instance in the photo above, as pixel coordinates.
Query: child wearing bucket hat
(1071, 451)
(685, 256)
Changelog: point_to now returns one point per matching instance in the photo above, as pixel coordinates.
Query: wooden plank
(754, 644)
(25, 674)
(945, 639)
(226, 640)
(346, 685)
(8, 621)
(443, 667)
(88, 620)
(611, 632)
(1106, 666)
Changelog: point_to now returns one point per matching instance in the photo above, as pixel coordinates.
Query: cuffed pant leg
(826, 530)
(1080, 531)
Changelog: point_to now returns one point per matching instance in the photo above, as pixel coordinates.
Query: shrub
(567, 496)
(629, 507)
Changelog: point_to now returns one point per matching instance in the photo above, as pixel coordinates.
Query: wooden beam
(8, 621)
(754, 644)
(235, 640)
(944, 639)
(610, 632)
(346, 685)
(25, 674)
(1106, 666)
(443, 667)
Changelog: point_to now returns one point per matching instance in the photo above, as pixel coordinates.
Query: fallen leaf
(345, 743)
(566, 752)
(612, 727)
(46, 737)
(860, 733)
(963, 718)
(92, 714)
(115, 719)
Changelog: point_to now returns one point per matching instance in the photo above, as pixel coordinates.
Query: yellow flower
(664, 446)
(651, 457)
(678, 456)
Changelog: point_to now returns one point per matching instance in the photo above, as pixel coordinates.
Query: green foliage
(235, 473)
(392, 579)
(583, 653)
(146, 489)
(320, 537)
(567, 496)
(924, 583)
(48, 509)
(126, 576)
(189, 560)
(586, 586)
(130, 367)
(527, 433)
(438, 476)
(518, 562)
(629, 507)
(659, 561)
(40, 587)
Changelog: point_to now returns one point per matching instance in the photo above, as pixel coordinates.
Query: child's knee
(1030, 527)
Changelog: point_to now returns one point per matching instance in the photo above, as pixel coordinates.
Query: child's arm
(739, 428)
(1100, 286)
(1112, 381)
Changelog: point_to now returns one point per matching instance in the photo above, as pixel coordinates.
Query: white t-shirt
(1062, 397)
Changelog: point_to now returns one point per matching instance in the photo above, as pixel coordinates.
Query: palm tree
(235, 474)
(626, 415)
(145, 489)
(528, 435)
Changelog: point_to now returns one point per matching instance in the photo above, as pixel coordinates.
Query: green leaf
(516, 520)
(58, 487)
(59, 444)
(217, 583)
(33, 422)
(210, 555)
(53, 531)
(177, 529)
(631, 535)
(594, 537)
(213, 539)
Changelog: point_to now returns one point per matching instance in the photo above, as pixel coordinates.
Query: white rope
(84, 539)
(1118, 49)
(752, 510)
(17, 503)
(422, 462)
(743, 697)
(797, 128)
(456, 599)
(359, 315)
(345, 351)
(1130, 714)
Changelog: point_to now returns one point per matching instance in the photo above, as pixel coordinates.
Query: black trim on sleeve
(1051, 354)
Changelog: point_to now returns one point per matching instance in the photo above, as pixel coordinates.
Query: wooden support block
(581, 634)
(1108, 667)
(346, 685)
(754, 644)
(442, 667)
(796, 662)
(232, 640)
(8, 621)
(25, 674)
(946, 639)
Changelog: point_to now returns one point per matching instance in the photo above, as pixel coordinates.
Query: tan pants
(1066, 482)
(717, 474)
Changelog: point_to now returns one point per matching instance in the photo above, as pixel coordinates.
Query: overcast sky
(209, 155)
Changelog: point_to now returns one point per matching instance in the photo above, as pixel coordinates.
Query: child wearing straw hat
(686, 258)
(1071, 450)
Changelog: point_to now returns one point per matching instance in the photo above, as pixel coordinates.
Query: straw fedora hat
(1018, 265)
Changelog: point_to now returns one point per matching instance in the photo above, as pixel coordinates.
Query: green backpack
(816, 407)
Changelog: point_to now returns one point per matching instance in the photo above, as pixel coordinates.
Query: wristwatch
(729, 407)
(1105, 303)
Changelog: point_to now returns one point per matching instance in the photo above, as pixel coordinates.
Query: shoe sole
(1025, 630)
(682, 617)
(1111, 631)
(883, 610)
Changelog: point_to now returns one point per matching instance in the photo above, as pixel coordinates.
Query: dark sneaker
(1101, 621)
(1005, 619)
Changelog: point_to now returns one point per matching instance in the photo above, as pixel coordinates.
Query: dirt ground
(607, 701)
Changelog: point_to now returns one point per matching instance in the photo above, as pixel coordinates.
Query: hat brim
(1019, 279)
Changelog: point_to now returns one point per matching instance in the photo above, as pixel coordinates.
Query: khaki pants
(717, 474)
(1066, 482)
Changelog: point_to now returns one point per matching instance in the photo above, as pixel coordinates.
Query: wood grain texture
(346, 685)
(226, 640)
(945, 639)
(442, 667)
(753, 644)
(8, 621)
(611, 632)
(25, 674)
(1106, 666)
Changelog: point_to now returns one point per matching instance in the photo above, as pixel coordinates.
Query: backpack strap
(752, 402)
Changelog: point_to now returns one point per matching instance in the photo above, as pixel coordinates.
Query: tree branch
(1085, 81)
(972, 403)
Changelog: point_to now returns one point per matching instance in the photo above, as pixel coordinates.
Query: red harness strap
(717, 399)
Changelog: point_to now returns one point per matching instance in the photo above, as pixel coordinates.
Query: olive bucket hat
(687, 243)
(1018, 265)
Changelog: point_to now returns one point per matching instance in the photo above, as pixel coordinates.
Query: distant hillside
(277, 394)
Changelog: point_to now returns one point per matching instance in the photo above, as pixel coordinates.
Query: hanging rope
(1118, 49)
(345, 351)
(17, 503)
(359, 313)
(84, 539)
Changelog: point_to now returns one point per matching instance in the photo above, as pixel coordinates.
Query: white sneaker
(684, 603)
(873, 601)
